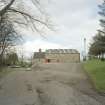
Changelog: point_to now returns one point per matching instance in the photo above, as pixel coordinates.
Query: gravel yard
(49, 84)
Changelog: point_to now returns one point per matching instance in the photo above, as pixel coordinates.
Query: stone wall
(67, 57)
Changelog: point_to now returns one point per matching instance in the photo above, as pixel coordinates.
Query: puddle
(29, 87)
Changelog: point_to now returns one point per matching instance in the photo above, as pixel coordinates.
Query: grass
(96, 70)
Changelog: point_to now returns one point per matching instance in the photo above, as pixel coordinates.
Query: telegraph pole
(40, 54)
(84, 58)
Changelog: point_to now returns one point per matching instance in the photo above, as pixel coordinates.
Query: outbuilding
(57, 55)
(62, 55)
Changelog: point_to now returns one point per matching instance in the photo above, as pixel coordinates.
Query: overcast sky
(74, 20)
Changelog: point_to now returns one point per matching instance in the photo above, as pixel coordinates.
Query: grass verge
(96, 70)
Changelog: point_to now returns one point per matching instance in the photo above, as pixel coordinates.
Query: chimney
(40, 50)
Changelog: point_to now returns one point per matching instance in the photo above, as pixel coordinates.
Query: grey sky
(74, 19)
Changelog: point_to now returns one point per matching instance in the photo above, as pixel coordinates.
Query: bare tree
(14, 13)
(18, 13)
(8, 36)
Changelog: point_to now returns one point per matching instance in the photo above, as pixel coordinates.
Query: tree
(97, 48)
(102, 13)
(14, 13)
(93, 50)
(8, 36)
(12, 58)
(17, 13)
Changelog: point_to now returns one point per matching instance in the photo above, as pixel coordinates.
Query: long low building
(58, 55)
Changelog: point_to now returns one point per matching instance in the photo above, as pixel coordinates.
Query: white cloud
(29, 47)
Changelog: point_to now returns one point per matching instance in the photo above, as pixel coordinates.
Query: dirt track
(49, 84)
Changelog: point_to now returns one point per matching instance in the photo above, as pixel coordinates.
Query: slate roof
(39, 55)
(54, 51)
(62, 51)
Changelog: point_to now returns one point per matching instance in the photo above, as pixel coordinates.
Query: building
(62, 55)
(39, 57)
(58, 55)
